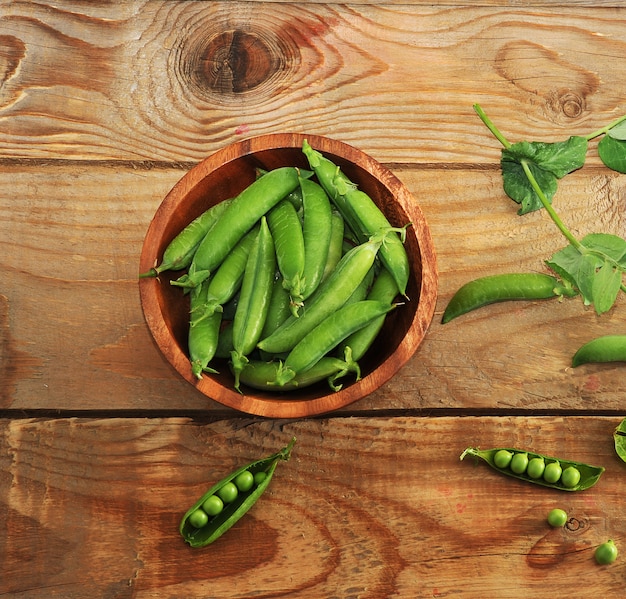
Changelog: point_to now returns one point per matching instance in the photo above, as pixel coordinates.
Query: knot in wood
(566, 105)
(225, 65)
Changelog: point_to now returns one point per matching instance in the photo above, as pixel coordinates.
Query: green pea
(213, 505)
(536, 467)
(502, 459)
(606, 553)
(552, 473)
(557, 518)
(244, 481)
(519, 463)
(570, 477)
(259, 477)
(198, 518)
(228, 493)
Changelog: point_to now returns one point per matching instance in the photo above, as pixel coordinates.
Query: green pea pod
(589, 475)
(180, 251)
(362, 214)
(203, 331)
(329, 297)
(609, 348)
(504, 287)
(384, 289)
(327, 335)
(262, 375)
(316, 230)
(243, 213)
(254, 301)
(288, 238)
(335, 245)
(279, 309)
(226, 281)
(232, 512)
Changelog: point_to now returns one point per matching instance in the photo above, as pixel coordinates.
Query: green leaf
(579, 269)
(619, 131)
(619, 436)
(612, 246)
(612, 152)
(605, 287)
(547, 162)
(517, 186)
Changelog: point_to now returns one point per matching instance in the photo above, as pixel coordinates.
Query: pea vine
(594, 265)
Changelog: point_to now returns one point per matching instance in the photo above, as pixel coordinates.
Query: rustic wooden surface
(104, 106)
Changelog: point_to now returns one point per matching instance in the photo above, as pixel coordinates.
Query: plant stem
(550, 210)
(605, 129)
(533, 182)
(487, 121)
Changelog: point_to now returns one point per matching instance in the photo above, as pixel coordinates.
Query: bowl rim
(284, 407)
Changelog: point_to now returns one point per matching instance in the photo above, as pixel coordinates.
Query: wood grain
(74, 335)
(175, 81)
(376, 507)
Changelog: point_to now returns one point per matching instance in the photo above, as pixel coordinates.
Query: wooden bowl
(223, 175)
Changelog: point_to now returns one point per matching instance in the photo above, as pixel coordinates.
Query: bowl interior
(222, 176)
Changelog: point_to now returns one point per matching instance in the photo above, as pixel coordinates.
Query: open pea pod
(217, 525)
(619, 436)
(589, 475)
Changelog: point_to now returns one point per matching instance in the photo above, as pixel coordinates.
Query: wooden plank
(375, 507)
(73, 335)
(152, 81)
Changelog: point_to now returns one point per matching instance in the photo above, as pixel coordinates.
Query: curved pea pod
(362, 214)
(504, 287)
(180, 251)
(243, 213)
(288, 238)
(327, 335)
(608, 348)
(589, 475)
(254, 300)
(261, 375)
(329, 297)
(232, 512)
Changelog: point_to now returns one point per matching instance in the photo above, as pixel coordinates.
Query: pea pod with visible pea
(564, 475)
(504, 287)
(229, 499)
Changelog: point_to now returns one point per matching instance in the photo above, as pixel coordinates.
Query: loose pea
(228, 493)
(259, 477)
(198, 518)
(557, 518)
(570, 477)
(213, 505)
(536, 467)
(244, 481)
(502, 459)
(552, 473)
(519, 463)
(606, 553)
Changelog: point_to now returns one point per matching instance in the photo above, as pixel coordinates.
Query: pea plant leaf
(619, 437)
(612, 151)
(596, 268)
(548, 162)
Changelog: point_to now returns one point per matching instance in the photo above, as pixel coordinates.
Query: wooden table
(104, 106)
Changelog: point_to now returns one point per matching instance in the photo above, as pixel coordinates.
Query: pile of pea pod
(291, 280)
